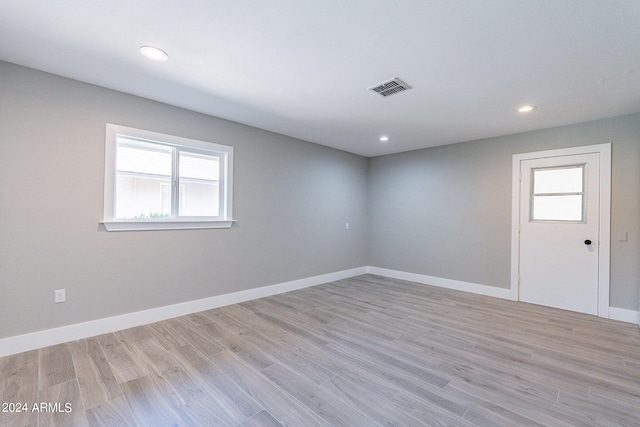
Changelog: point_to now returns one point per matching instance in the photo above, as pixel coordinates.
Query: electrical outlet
(60, 296)
(346, 226)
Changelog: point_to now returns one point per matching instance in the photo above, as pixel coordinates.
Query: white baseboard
(35, 340)
(624, 315)
(32, 341)
(457, 285)
(615, 313)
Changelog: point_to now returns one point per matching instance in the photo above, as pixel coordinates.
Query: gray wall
(443, 212)
(446, 211)
(292, 199)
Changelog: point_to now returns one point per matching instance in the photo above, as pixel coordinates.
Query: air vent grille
(390, 87)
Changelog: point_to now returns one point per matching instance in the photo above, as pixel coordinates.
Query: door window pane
(555, 181)
(557, 208)
(557, 194)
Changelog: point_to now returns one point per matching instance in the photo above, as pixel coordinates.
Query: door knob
(587, 242)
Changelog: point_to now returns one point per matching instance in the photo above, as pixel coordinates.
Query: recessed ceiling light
(384, 138)
(526, 108)
(154, 53)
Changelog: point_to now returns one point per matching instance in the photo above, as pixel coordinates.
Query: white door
(559, 235)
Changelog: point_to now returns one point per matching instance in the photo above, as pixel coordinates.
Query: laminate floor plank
(521, 409)
(197, 337)
(56, 365)
(335, 411)
(61, 405)
(392, 365)
(623, 403)
(197, 319)
(463, 355)
(152, 404)
(19, 387)
(605, 414)
(292, 360)
(393, 325)
(160, 363)
(95, 377)
(502, 406)
(362, 351)
(249, 318)
(283, 308)
(112, 413)
(341, 366)
(346, 305)
(206, 411)
(281, 405)
(364, 329)
(261, 419)
(586, 361)
(229, 322)
(492, 377)
(139, 333)
(166, 334)
(239, 346)
(299, 301)
(480, 416)
(231, 399)
(536, 343)
(299, 320)
(398, 349)
(284, 324)
(592, 377)
(368, 401)
(409, 383)
(123, 361)
(568, 340)
(428, 413)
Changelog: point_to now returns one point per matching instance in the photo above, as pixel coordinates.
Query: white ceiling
(302, 68)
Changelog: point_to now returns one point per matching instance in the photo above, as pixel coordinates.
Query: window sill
(163, 225)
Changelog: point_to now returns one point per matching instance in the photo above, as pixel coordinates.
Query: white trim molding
(614, 313)
(624, 315)
(163, 225)
(604, 226)
(491, 291)
(35, 340)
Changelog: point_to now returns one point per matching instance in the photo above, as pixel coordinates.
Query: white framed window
(155, 181)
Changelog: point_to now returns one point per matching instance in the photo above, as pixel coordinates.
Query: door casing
(604, 221)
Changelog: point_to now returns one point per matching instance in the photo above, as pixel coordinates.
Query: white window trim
(109, 220)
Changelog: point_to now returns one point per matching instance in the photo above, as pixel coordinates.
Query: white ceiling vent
(390, 87)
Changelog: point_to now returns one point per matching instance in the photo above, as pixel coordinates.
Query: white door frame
(605, 217)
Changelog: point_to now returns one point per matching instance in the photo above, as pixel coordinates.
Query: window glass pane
(139, 197)
(200, 199)
(143, 181)
(557, 208)
(143, 158)
(553, 181)
(199, 185)
(199, 166)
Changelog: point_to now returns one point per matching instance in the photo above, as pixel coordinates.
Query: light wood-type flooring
(364, 351)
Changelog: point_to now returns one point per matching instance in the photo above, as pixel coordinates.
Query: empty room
(336, 213)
